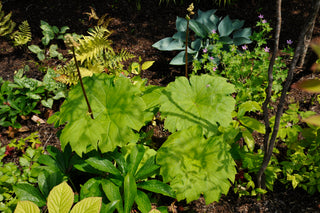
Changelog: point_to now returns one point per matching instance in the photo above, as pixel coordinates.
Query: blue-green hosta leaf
(204, 100)
(208, 19)
(237, 24)
(117, 110)
(180, 59)
(225, 27)
(194, 165)
(180, 36)
(198, 28)
(169, 44)
(245, 33)
(181, 24)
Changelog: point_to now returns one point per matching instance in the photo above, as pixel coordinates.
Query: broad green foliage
(301, 167)
(206, 25)
(61, 199)
(127, 178)
(11, 174)
(21, 97)
(49, 33)
(204, 100)
(246, 69)
(195, 165)
(117, 111)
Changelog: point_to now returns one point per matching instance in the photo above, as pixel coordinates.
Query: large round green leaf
(194, 165)
(204, 100)
(117, 110)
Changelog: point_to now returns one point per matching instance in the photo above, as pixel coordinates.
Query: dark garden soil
(136, 30)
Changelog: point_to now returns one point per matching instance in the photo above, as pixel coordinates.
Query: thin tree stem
(81, 83)
(260, 183)
(298, 51)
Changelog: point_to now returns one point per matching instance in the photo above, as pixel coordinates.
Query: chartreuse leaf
(130, 192)
(26, 207)
(248, 138)
(117, 110)
(252, 124)
(88, 205)
(313, 120)
(309, 85)
(60, 198)
(248, 106)
(195, 165)
(143, 202)
(204, 100)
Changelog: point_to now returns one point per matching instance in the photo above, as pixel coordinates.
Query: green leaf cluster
(61, 199)
(12, 174)
(22, 96)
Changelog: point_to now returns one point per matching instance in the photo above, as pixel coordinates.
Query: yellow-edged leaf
(309, 85)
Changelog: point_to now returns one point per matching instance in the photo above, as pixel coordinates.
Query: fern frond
(113, 62)
(96, 55)
(6, 24)
(94, 45)
(23, 35)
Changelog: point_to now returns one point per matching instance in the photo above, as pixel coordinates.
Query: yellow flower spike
(190, 9)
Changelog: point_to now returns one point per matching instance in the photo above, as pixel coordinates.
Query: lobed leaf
(204, 100)
(195, 165)
(117, 111)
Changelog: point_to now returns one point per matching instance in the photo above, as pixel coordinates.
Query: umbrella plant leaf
(117, 111)
(195, 165)
(204, 100)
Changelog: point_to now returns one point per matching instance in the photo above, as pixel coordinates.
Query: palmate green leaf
(204, 100)
(195, 165)
(117, 110)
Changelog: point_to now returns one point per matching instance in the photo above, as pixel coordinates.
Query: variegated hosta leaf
(194, 165)
(204, 100)
(117, 110)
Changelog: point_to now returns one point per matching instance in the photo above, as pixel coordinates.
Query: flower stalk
(190, 13)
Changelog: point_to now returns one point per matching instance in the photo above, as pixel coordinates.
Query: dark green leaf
(157, 186)
(92, 188)
(113, 193)
(143, 202)
(25, 191)
(103, 165)
(130, 192)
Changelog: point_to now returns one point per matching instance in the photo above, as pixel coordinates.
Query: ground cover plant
(212, 126)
